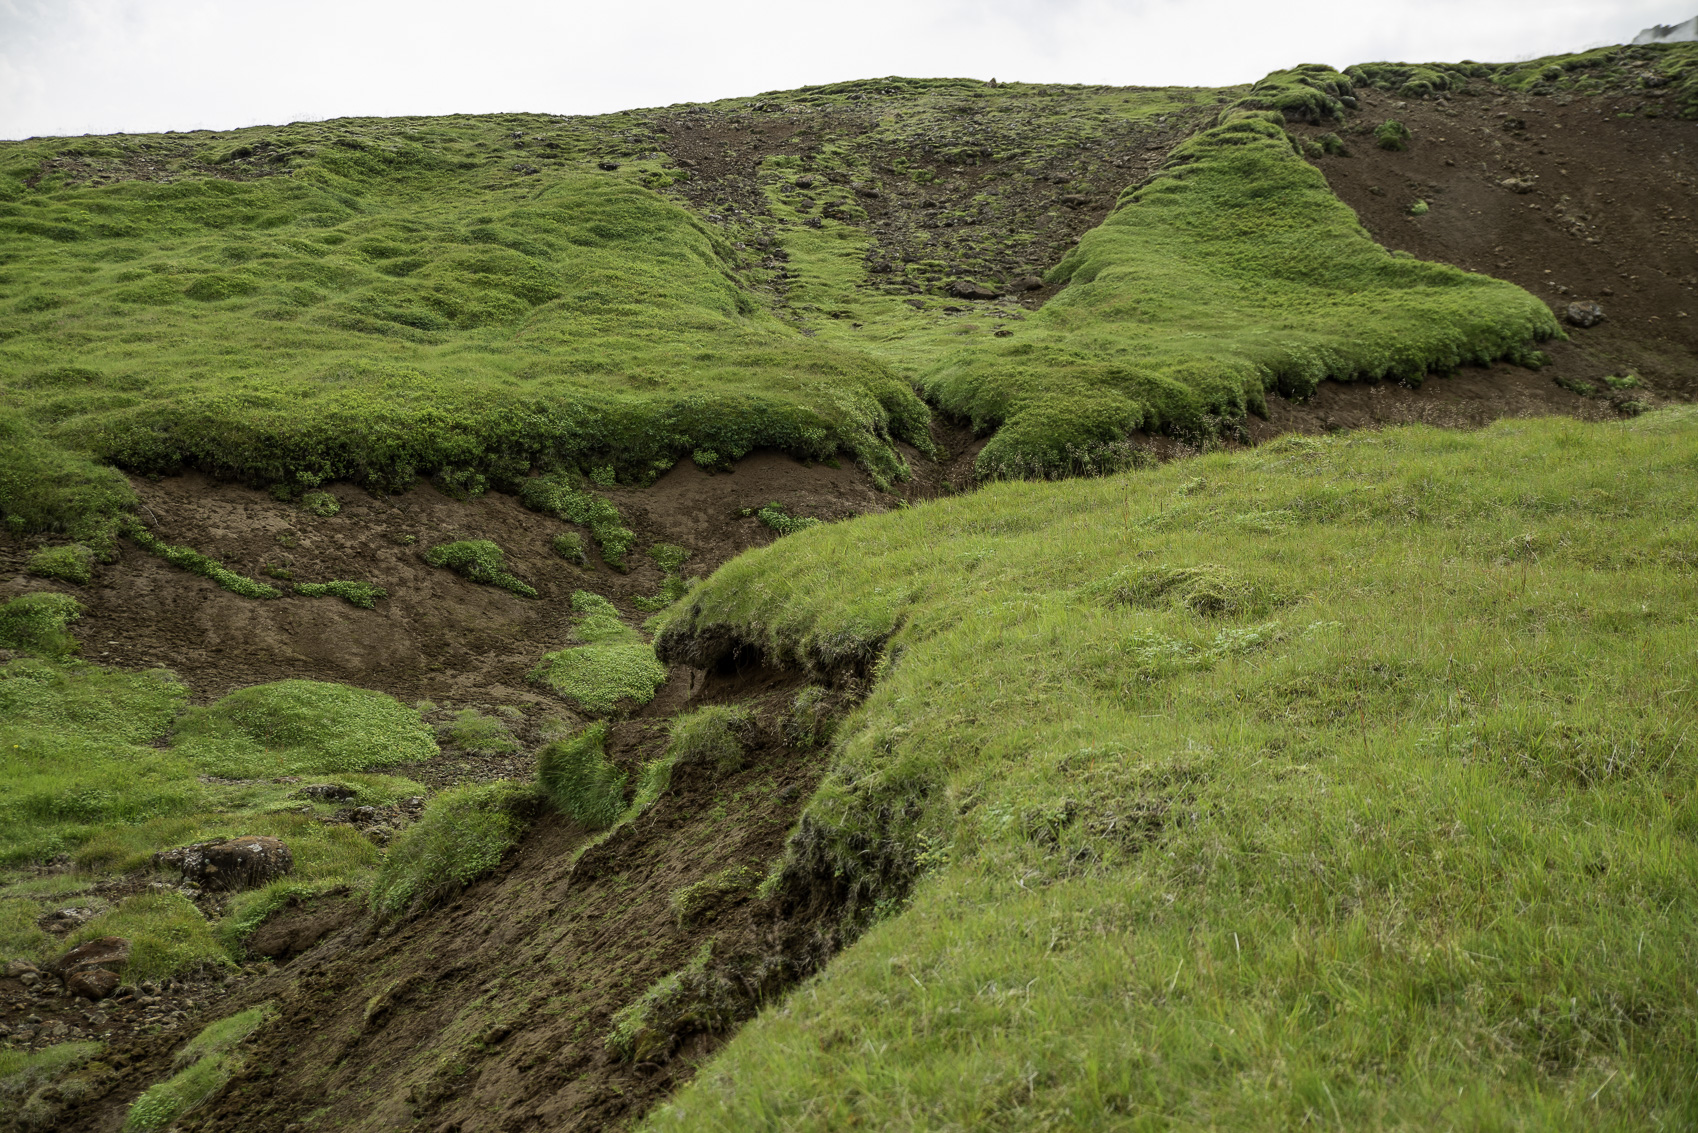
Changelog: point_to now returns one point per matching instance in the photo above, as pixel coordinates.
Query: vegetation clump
(613, 665)
(365, 595)
(27, 1076)
(471, 730)
(462, 835)
(191, 560)
(206, 1062)
(302, 728)
(579, 780)
(775, 517)
(479, 560)
(671, 559)
(322, 504)
(689, 901)
(712, 734)
(1392, 134)
(556, 495)
(37, 623)
(694, 998)
(71, 563)
(570, 546)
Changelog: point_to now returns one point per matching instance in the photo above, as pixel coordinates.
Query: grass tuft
(712, 734)
(462, 835)
(37, 623)
(580, 782)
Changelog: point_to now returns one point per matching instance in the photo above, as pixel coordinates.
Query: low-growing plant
(471, 730)
(556, 494)
(302, 728)
(569, 545)
(810, 721)
(775, 517)
(694, 998)
(37, 623)
(1207, 589)
(613, 665)
(1622, 381)
(322, 504)
(671, 558)
(194, 562)
(362, 594)
(463, 834)
(712, 734)
(478, 560)
(688, 901)
(206, 1063)
(1392, 135)
(25, 1075)
(1419, 208)
(71, 563)
(580, 781)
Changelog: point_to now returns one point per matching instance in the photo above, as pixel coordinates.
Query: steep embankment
(1111, 725)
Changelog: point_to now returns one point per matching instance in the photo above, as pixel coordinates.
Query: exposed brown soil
(1599, 209)
(493, 1011)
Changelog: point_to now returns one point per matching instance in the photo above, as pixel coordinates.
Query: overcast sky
(101, 66)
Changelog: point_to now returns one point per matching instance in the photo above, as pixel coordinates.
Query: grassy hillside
(1344, 781)
(380, 300)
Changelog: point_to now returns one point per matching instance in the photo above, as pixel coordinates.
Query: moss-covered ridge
(1344, 777)
(1232, 272)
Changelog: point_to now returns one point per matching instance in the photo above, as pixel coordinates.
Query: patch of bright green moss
(613, 666)
(479, 560)
(302, 728)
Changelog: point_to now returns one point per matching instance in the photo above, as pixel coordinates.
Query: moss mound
(302, 728)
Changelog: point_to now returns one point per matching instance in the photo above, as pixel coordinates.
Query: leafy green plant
(556, 495)
(37, 623)
(191, 560)
(569, 545)
(72, 563)
(775, 517)
(613, 665)
(711, 734)
(580, 782)
(322, 504)
(479, 560)
(1419, 208)
(463, 834)
(362, 594)
(302, 728)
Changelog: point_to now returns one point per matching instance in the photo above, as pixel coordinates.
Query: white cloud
(81, 66)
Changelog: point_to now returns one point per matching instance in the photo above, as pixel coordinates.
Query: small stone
(92, 984)
(966, 289)
(1030, 283)
(609, 166)
(1584, 314)
(1075, 200)
(108, 952)
(326, 792)
(30, 979)
(18, 968)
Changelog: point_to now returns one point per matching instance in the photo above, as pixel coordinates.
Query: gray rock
(92, 983)
(17, 968)
(966, 289)
(1584, 314)
(326, 792)
(110, 953)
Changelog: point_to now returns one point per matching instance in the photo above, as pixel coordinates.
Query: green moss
(479, 560)
(580, 782)
(1232, 272)
(26, 1075)
(194, 562)
(302, 728)
(1392, 134)
(46, 489)
(462, 835)
(38, 623)
(613, 666)
(362, 594)
(73, 563)
(671, 559)
(207, 1062)
(688, 901)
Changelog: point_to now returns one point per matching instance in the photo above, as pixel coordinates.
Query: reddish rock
(110, 953)
(91, 983)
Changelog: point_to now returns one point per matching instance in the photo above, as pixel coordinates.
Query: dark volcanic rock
(236, 863)
(1584, 314)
